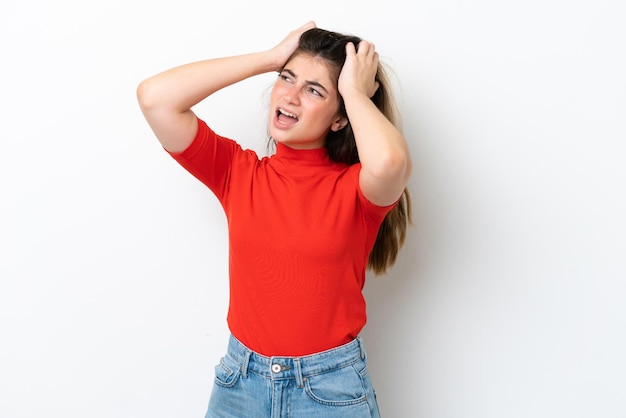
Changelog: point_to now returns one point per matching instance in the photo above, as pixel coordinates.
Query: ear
(339, 124)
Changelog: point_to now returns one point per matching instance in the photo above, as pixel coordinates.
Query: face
(304, 104)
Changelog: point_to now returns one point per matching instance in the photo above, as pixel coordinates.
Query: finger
(363, 46)
(309, 25)
(350, 49)
(371, 53)
(305, 27)
(366, 48)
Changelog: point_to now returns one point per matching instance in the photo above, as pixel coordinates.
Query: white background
(507, 300)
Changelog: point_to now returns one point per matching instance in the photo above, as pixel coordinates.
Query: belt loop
(246, 362)
(299, 378)
(362, 348)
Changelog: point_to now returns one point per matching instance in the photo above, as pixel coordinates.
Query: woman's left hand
(358, 74)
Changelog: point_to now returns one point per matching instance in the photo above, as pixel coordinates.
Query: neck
(315, 154)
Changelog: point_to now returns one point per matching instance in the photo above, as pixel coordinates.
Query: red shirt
(300, 234)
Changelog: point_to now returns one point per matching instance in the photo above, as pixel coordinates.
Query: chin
(278, 135)
(282, 138)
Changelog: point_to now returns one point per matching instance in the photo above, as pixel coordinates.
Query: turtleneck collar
(316, 155)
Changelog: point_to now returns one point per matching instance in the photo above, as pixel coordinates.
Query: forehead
(310, 68)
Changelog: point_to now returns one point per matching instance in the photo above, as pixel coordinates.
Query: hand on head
(287, 46)
(359, 71)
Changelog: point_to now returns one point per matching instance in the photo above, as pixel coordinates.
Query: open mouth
(286, 118)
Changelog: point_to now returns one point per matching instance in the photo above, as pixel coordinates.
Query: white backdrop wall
(507, 301)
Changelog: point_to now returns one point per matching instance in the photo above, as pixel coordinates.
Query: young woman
(304, 224)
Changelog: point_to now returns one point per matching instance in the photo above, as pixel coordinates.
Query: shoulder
(209, 143)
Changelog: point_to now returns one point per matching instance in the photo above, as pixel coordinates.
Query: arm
(166, 99)
(384, 154)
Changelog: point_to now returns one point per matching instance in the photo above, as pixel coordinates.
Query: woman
(304, 224)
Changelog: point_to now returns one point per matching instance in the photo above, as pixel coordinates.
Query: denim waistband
(297, 367)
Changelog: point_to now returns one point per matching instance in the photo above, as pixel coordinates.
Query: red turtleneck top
(300, 234)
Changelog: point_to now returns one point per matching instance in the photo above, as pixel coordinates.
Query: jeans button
(276, 368)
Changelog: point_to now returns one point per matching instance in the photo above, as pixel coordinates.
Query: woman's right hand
(283, 51)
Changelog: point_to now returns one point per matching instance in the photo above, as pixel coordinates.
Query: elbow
(408, 167)
(146, 95)
(394, 165)
(149, 95)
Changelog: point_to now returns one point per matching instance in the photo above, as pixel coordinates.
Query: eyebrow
(309, 82)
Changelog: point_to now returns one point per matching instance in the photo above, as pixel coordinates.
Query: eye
(284, 77)
(315, 92)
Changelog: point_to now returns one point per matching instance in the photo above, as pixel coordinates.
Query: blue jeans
(330, 384)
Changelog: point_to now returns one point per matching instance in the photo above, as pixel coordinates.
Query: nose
(292, 96)
(291, 99)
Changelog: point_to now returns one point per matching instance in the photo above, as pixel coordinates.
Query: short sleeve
(373, 213)
(209, 158)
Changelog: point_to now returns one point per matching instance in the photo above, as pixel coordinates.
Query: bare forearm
(166, 99)
(382, 148)
(182, 87)
(383, 152)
